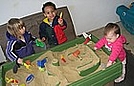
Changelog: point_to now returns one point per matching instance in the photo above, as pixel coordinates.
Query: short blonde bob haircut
(14, 26)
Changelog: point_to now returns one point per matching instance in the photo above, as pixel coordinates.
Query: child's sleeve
(64, 25)
(42, 31)
(100, 43)
(115, 51)
(33, 38)
(10, 51)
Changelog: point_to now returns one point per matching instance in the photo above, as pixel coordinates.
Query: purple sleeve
(9, 51)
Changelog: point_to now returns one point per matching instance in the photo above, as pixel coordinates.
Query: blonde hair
(112, 27)
(13, 27)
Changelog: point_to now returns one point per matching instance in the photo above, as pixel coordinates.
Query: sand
(64, 74)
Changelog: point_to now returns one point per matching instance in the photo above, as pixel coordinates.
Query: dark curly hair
(48, 4)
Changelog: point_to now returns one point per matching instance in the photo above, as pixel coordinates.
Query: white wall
(87, 15)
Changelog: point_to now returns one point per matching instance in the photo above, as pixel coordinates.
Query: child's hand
(43, 39)
(109, 63)
(20, 61)
(60, 21)
(95, 48)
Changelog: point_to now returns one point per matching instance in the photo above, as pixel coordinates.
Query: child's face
(50, 13)
(22, 31)
(111, 37)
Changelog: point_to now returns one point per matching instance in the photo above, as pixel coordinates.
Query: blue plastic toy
(41, 63)
(127, 17)
(29, 78)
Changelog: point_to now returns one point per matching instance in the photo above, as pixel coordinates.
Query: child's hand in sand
(109, 63)
(95, 48)
(20, 61)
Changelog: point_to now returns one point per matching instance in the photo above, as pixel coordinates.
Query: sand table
(59, 72)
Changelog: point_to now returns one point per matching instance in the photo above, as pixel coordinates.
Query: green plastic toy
(39, 43)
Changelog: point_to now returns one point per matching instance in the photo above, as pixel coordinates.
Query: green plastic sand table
(89, 76)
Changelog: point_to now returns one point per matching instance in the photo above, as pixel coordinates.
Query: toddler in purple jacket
(114, 42)
(19, 42)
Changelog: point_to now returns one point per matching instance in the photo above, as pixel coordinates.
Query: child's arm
(37, 41)
(42, 31)
(116, 50)
(33, 38)
(10, 51)
(100, 43)
(109, 63)
(29, 36)
(62, 22)
(20, 61)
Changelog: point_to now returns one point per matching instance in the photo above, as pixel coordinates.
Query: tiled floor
(130, 56)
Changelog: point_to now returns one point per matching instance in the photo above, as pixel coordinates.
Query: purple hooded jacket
(17, 48)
